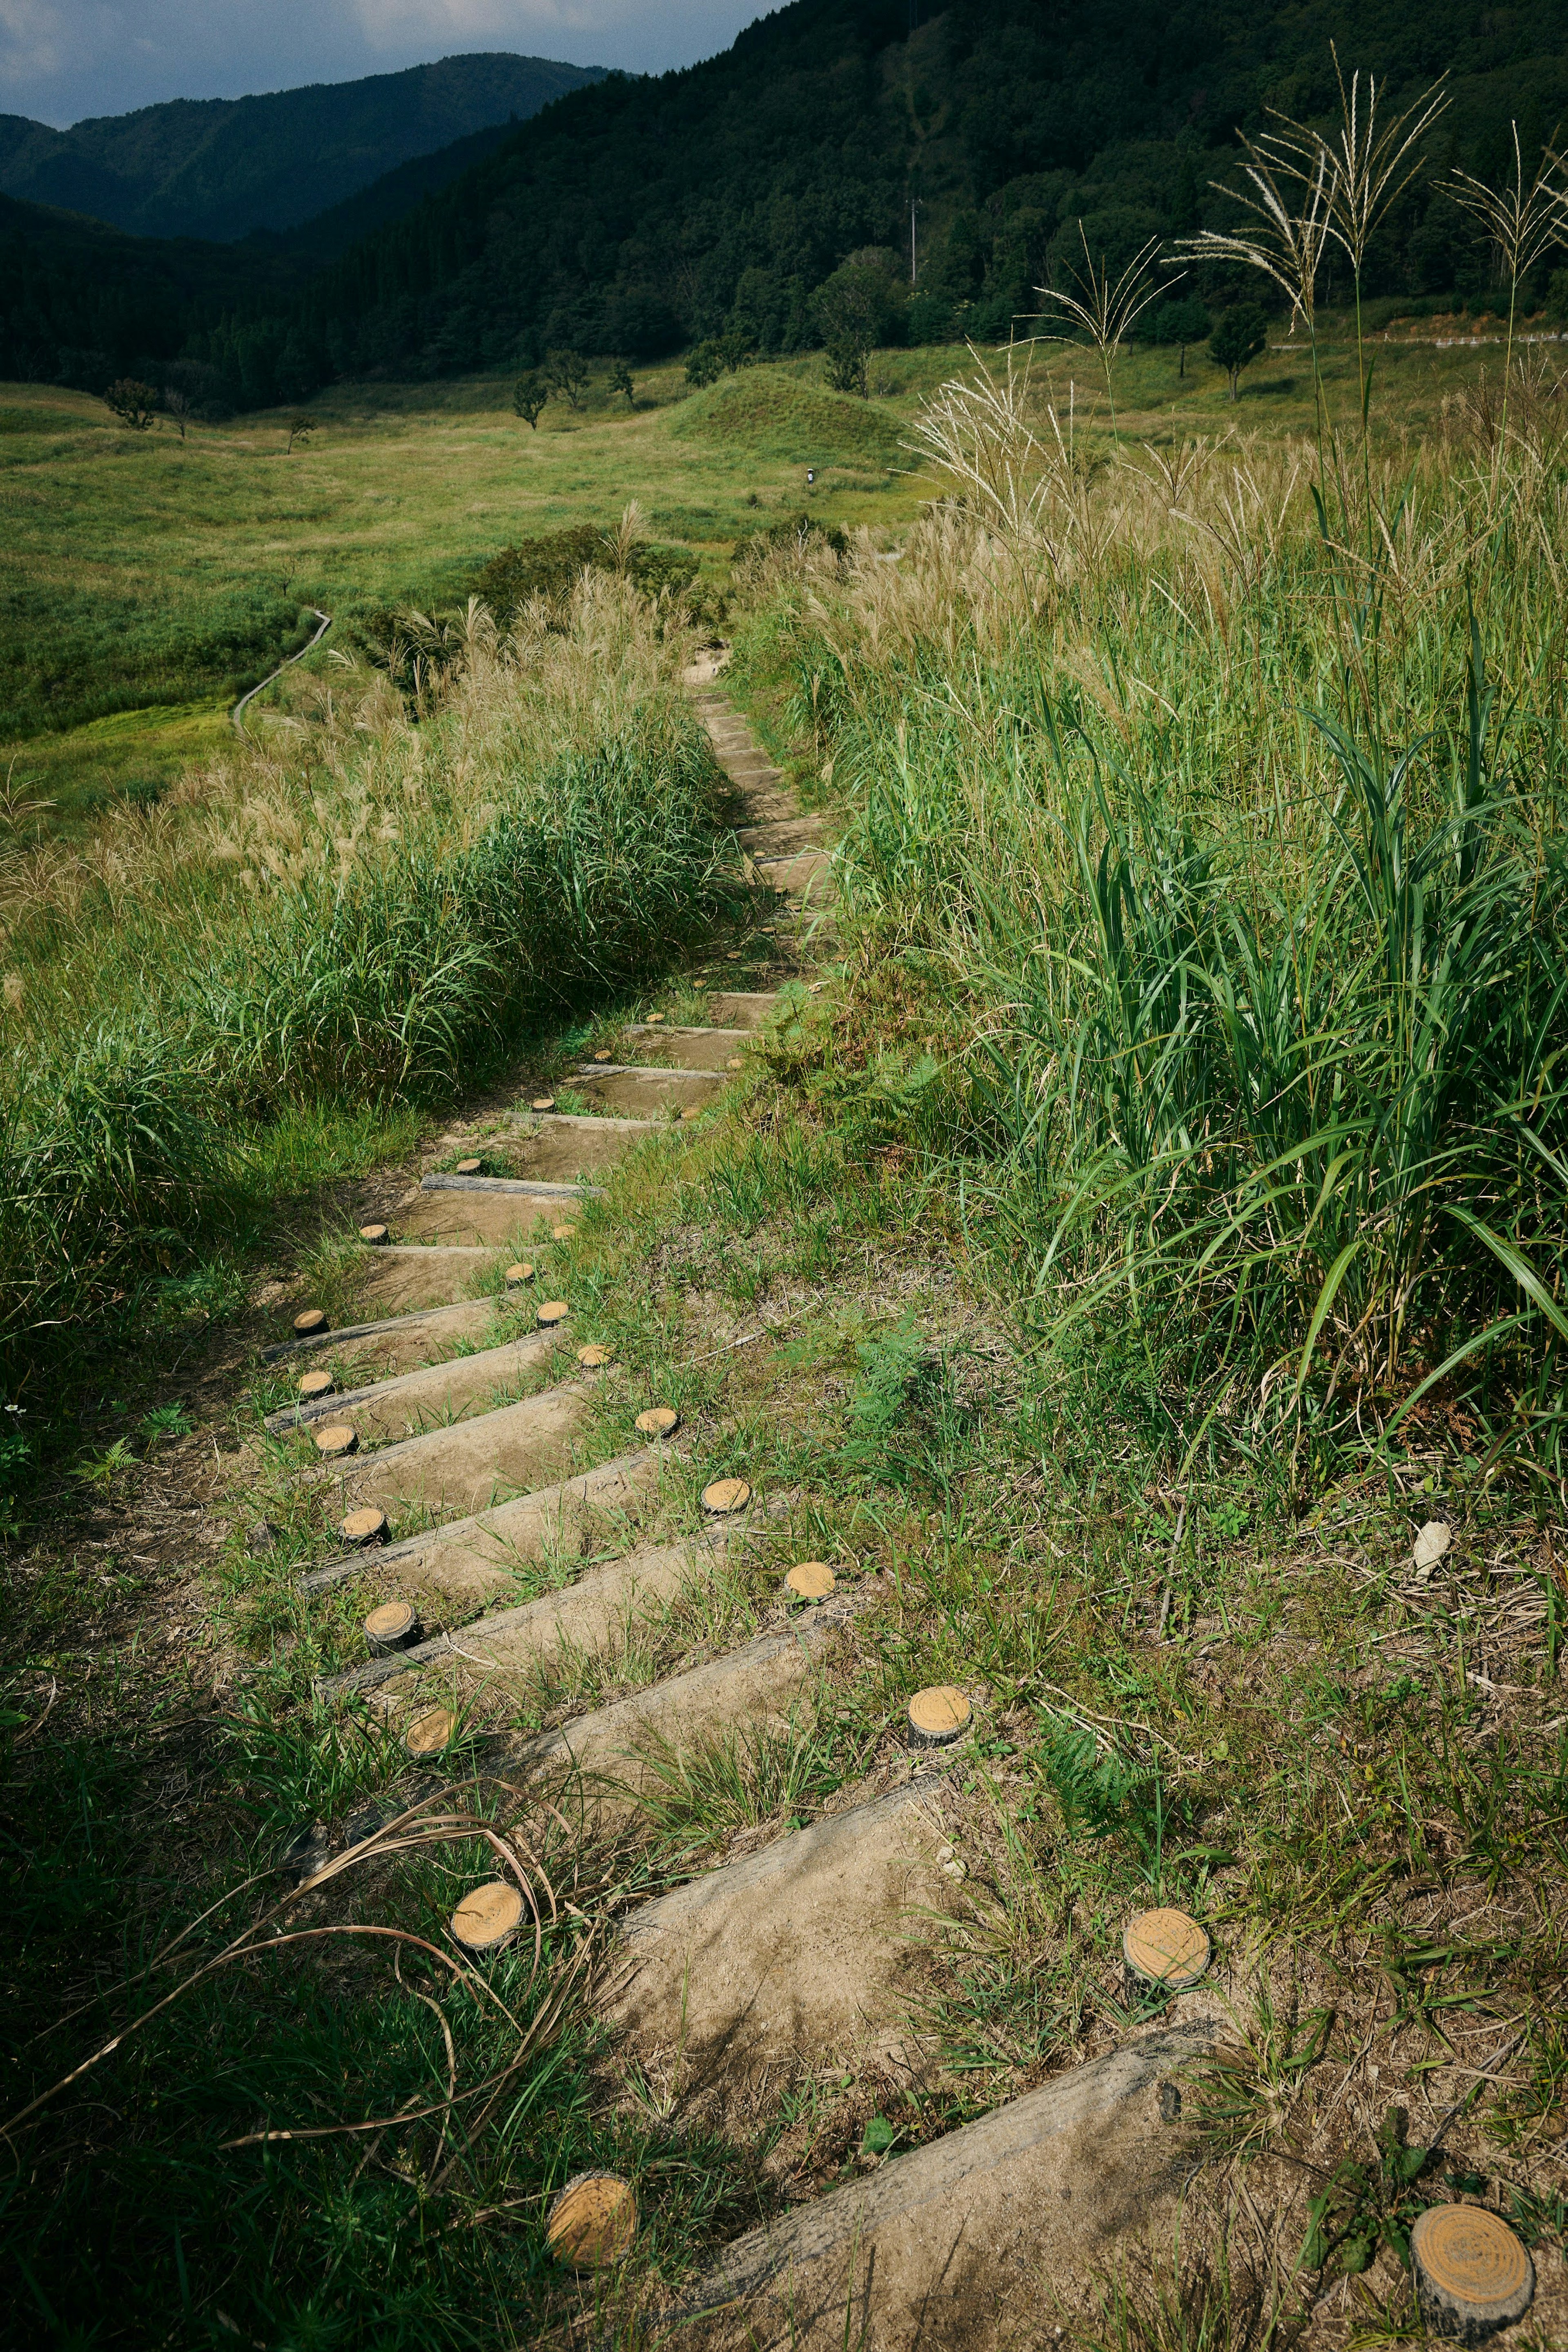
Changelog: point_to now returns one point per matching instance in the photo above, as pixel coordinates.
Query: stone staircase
(723, 1991)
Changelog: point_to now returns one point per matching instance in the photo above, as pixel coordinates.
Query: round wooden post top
(1432, 1542)
(552, 1310)
(659, 1421)
(593, 1355)
(592, 2221)
(939, 1715)
(429, 1733)
(1472, 2274)
(335, 1439)
(374, 1235)
(542, 1102)
(1164, 1948)
(489, 1915)
(604, 1056)
(724, 1495)
(310, 1320)
(810, 1579)
(654, 1020)
(519, 1274)
(692, 1111)
(316, 1384)
(469, 1167)
(392, 1626)
(366, 1526)
(736, 1062)
(562, 1233)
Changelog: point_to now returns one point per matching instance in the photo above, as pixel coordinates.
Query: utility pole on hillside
(914, 208)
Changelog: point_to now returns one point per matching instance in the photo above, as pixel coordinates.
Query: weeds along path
(324, 622)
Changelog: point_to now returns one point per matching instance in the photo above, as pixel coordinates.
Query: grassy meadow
(150, 579)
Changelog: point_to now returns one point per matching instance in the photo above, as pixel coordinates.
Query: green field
(150, 580)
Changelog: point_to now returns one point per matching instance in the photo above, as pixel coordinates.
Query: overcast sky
(62, 59)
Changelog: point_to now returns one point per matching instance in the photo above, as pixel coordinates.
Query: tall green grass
(1231, 870)
(373, 918)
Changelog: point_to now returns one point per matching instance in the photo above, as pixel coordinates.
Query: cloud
(62, 59)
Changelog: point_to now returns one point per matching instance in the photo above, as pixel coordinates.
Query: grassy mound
(778, 417)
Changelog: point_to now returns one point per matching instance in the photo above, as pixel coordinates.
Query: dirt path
(236, 715)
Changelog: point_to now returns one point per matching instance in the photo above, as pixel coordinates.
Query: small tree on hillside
(301, 429)
(530, 395)
(1235, 342)
(567, 373)
(852, 310)
(177, 409)
(1182, 323)
(134, 403)
(621, 381)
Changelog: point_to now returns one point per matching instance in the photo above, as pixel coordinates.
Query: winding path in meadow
(237, 714)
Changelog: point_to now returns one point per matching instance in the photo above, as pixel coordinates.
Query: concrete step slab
(387, 1410)
(468, 1560)
(479, 1462)
(599, 1607)
(965, 2242)
(800, 1953)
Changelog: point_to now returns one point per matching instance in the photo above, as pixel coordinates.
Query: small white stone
(1432, 1542)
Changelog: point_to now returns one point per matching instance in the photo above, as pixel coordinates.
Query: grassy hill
(221, 168)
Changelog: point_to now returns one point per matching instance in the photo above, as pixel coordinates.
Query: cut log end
(366, 1526)
(517, 1276)
(810, 1579)
(1164, 1949)
(563, 1232)
(336, 1439)
(469, 1167)
(593, 1355)
(432, 1733)
(488, 1917)
(376, 1237)
(939, 1715)
(726, 1495)
(392, 1627)
(542, 1103)
(1472, 2274)
(659, 1421)
(310, 1320)
(553, 1311)
(315, 1384)
(592, 2221)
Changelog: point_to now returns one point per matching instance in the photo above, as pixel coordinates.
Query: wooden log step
(693, 1049)
(433, 1324)
(524, 1187)
(975, 2227)
(796, 1954)
(385, 1411)
(584, 1615)
(468, 1560)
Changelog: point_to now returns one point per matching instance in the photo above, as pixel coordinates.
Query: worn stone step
(801, 1953)
(468, 1560)
(384, 1412)
(587, 1614)
(742, 1009)
(691, 1049)
(807, 870)
(755, 1684)
(780, 836)
(625, 1087)
(475, 1462)
(962, 2242)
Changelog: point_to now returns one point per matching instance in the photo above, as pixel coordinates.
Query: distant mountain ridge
(223, 169)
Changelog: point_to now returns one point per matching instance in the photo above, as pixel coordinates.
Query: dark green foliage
(530, 396)
(223, 167)
(1367, 2205)
(795, 530)
(565, 372)
(550, 566)
(134, 403)
(1242, 335)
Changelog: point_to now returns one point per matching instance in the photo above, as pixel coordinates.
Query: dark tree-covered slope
(220, 168)
(638, 215)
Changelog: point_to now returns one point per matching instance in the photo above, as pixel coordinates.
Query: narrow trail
(737, 1983)
(237, 716)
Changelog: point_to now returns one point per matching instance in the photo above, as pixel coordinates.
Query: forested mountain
(641, 213)
(222, 167)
